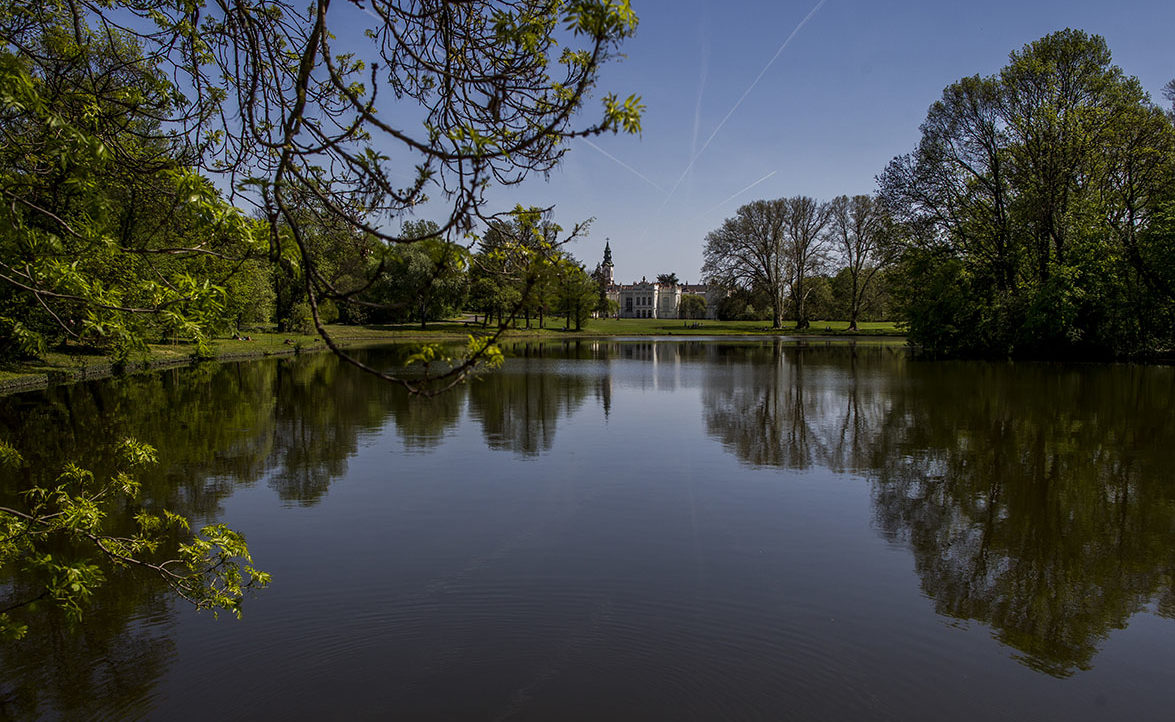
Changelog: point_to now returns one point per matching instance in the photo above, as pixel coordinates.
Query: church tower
(607, 264)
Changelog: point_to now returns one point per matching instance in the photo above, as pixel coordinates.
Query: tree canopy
(117, 116)
(1034, 210)
(174, 169)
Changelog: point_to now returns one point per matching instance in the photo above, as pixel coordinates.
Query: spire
(607, 254)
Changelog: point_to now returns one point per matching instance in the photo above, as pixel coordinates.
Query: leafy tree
(112, 236)
(604, 306)
(211, 570)
(578, 293)
(876, 303)
(771, 247)
(487, 291)
(692, 306)
(547, 293)
(820, 303)
(424, 280)
(480, 92)
(742, 304)
(1027, 204)
(517, 266)
(667, 279)
(342, 257)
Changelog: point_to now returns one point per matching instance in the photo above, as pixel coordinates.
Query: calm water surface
(637, 530)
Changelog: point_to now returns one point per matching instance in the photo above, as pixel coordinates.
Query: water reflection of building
(651, 299)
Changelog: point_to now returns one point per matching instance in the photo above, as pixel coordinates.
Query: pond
(636, 529)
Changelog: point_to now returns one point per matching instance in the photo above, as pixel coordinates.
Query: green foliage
(341, 256)
(937, 294)
(520, 270)
(577, 293)
(744, 305)
(114, 115)
(437, 361)
(111, 236)
(425, 280)
(18, 341)
(299, 319)
(58, 541)
(692, 306)
(1034, 208)
(820, 302)
(489, 354)
(770, 248)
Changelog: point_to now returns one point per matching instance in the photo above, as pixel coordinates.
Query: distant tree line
(1036, 217)
(801, 259)
(516, 273)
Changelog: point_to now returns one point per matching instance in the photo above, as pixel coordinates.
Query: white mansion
(652, 299)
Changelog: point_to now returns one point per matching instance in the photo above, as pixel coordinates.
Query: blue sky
(841, 99)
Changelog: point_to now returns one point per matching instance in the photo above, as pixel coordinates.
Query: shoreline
(61, 367)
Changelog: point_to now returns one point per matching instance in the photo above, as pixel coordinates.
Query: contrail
(704, 71)
(746, 92)
(736, 195)
(624, 165)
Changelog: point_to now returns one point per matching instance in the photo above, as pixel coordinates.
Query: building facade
(651, 299)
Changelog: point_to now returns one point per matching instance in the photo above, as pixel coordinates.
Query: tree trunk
(855, 303)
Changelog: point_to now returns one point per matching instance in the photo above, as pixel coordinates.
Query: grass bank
(80, 363)
(597, 327)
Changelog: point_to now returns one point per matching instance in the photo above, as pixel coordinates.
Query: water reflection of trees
(106, 668)
(520, 406)
(293, 423)
(216, 427)
(322, 410)
(1042, 504)
(1035, 499)
(779, 404)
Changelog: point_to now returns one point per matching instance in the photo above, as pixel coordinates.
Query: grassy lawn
(76, 363)
(73, 364)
